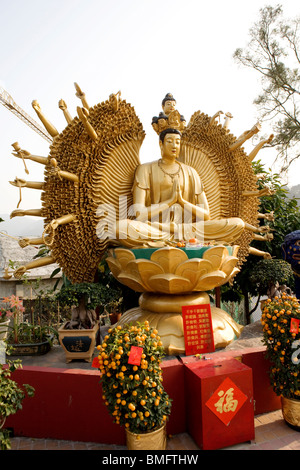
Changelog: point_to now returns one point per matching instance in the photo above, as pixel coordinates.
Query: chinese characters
(226, 402)
(198, 331)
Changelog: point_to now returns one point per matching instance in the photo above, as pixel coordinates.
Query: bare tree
(273, 51)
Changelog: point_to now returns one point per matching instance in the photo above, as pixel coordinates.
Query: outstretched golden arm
(37, 263)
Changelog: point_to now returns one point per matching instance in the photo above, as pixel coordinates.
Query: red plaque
(198, 332)
(294, 328)
(135, 355)
(226, 401)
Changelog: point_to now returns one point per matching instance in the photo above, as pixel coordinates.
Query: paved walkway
(271, 433)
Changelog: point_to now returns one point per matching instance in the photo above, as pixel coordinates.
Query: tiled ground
(271, 433)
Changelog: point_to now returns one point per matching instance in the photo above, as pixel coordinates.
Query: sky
(144, 48)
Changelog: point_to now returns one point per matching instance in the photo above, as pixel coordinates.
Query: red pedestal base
(220, 410)
(68, 404)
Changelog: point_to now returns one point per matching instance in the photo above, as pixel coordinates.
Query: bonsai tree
(270, 277)
(83, 299)
(11, 398)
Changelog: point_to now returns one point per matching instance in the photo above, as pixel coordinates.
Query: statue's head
(291, 250)
(168, 104)
(169, 142)
(170, 130)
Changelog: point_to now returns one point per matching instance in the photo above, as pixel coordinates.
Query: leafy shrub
(11, 398)
(266, 273)
(281, 342)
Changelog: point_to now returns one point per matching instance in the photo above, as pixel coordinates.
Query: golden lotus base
(163, 312)
(155, 440)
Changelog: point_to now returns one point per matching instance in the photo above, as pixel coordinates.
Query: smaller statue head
(168, 104)
(170, 117)
(291, 250)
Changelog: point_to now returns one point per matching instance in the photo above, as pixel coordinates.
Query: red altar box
(220, 408)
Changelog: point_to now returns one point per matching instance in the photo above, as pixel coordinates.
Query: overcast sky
(145, 48)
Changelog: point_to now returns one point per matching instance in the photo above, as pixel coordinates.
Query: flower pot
(114, 317)
(31, 349)
(291, 412)
(78, 344)
(4, 329)
(153, 440)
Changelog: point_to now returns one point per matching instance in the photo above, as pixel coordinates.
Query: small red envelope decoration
(96, 363)
(135, 355)
(294, 328)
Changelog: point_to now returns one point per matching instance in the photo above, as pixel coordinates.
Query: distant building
(9, 285)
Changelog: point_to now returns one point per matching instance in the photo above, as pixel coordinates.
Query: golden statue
(158, 187)
(174, 228)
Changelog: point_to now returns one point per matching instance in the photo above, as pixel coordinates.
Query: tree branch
(273, 43)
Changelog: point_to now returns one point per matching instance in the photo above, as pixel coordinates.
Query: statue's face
(171, 146)
(169, 106)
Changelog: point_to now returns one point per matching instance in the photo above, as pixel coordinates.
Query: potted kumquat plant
(129, 362)
(281, 335)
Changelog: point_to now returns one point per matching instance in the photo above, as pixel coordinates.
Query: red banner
(198, 332)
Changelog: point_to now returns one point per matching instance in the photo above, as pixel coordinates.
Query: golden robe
(176, 223)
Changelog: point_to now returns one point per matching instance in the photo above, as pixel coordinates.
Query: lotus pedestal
(170, 278)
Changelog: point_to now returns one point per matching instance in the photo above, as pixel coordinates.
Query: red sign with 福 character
(198, 332)
(226, 401)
